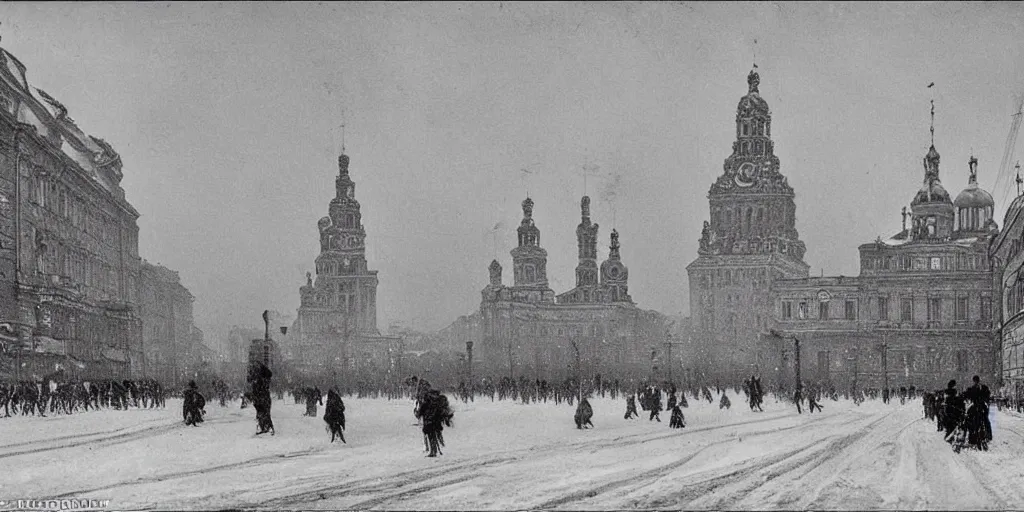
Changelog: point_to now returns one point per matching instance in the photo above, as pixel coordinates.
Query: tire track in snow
(757, 473)
(551, 450)
(182, 474)
(67, 437)
(384, 483)
(107, 441)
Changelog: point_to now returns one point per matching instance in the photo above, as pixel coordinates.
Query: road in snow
(503, 455)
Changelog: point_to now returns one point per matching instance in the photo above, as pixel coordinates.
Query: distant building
(524, 330)
(919, 314)
(750, 243)
(172, 344)
(69, 262)
(335, 333)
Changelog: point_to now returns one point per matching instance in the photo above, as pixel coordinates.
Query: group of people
(55, 394)
(961, 416)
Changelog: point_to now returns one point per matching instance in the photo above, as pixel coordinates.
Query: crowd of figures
(56, 395)
(961, 416)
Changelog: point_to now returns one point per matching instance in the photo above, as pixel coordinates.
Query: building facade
(335, 332)
(171, 343)
(920, 312)
(749, 243)
(525, 330)
(69, 263)
(1008, 262)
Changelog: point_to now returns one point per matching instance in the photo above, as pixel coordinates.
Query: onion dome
(752, 102)
(974, 196)
(931, 193)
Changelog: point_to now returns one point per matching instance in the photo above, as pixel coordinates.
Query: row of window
(747, 220)
(961, 309)
(907, 262)
(896, 360)
(61, 201)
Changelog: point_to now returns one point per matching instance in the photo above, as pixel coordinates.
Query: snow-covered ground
(505, 455)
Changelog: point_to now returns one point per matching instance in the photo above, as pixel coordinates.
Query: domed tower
(529, 260)
(974, 206)
(343, 284)
(750, 241)
(615, 275)
(586, 240)
(932, 211)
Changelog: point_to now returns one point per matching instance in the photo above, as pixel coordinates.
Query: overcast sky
(226, 118)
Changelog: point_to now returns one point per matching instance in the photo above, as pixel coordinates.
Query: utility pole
(469, 356)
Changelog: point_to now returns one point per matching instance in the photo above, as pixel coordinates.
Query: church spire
(586, 241)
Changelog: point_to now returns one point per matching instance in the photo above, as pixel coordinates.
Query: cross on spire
(586, 170)
(343, 129)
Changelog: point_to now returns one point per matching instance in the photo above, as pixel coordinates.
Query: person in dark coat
(631, 408)
(583, 414)
(334, 415)
(655, 405)
(261, 400)
(724, 403)
(193, 405)
(436, 414)
(677, 420)
(953, 410)
(313, 398)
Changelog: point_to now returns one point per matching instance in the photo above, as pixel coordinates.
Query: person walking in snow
(583, 414)
(631, 408)
(436, 414)
(261, 400)
(334, 415)
(313, 398)
(724, 403)
(655, 405)
(677, 420)
(192, 405)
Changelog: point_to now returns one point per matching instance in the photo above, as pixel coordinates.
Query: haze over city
(227, 118)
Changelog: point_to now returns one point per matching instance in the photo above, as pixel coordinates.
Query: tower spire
(932, 128)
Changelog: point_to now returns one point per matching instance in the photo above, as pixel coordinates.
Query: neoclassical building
(527, 331)
(921, 311)
(750, 242)
(335, 332)
(69, 261)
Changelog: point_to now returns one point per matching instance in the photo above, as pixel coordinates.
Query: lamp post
(884, 348)
(579, 380)
(469, 354)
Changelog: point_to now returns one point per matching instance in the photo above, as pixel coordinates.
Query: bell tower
(749, 241)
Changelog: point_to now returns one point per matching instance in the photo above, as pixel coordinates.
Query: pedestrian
(953, 410)
(334, 415)
(655, 405)
(631, 408)
(677, 420)
(436, 415)
(724, 403)
(313, 398)
(261, 399)
(583, 414)
(193, 405)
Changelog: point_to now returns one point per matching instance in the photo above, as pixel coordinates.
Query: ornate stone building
(525, 330)
(1008, 261)
(750, 242)
(69, 259)
(335, 332)
(919, 314)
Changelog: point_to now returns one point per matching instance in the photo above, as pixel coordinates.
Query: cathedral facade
(335, 333)
(749, 243)
(528, 331)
